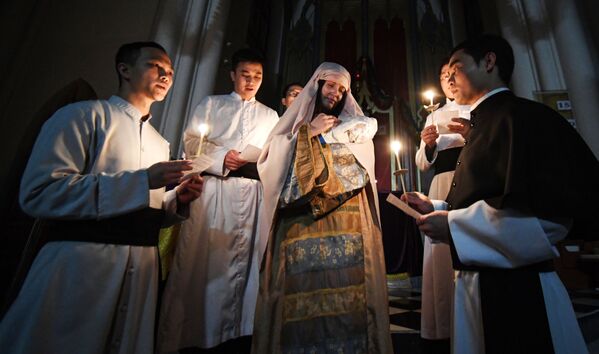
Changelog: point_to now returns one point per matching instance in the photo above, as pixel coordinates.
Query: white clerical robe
(80, 297)
(437, 270)
(488, 237)
(210, 296)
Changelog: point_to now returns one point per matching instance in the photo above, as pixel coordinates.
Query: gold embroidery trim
(324, 302)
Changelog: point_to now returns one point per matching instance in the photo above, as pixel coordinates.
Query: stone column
(514, 28)
(576, 54)
(542, 44)
(192, 32)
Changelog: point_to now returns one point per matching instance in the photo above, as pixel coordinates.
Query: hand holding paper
(460, 126)
(443, 120)
(398, 203)
(418, 203)
(435, 225)
(432, 223)
(199, 165)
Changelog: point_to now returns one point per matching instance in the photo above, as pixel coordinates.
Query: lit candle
(396, 146)
(430, 94)
(203, 128)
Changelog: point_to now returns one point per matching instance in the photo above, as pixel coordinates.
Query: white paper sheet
(442, 118)
(200, 164)
(403, 206)
(250, 153)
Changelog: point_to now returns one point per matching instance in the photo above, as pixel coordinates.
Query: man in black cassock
(523, 179)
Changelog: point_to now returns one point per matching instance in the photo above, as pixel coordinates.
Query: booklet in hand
(403, 206)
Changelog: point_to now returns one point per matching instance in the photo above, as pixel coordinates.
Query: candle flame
(429, 94)
(203, 128)
(395, 146)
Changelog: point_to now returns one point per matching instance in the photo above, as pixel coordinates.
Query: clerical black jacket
(521, 154)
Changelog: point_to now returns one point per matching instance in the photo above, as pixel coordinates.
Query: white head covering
(302, 108)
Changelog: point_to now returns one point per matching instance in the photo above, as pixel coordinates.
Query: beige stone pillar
(576, 53)
(192, 32)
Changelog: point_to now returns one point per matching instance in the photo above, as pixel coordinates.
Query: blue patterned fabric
(321, 253)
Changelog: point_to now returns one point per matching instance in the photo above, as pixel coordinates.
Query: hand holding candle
(203, 128)
(396, 146)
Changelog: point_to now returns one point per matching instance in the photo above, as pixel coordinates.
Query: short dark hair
(444, 61)
(246, 55)
(336, 111)
(129, 53)
(478, 47)
(289, 86)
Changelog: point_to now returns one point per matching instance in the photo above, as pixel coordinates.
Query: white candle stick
(396, 146)
(430, 95)
(203, 128)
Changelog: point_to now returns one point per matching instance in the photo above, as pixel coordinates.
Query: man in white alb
(97, 176)
(439, 152)
(210, 296)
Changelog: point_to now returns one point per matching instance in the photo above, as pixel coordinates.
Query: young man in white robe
(97, 176)
(507, 206)
(440, 153)
(210, 295)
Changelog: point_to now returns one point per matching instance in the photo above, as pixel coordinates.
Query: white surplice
(89, 162)
(488, 237)
(211, 292)
(437, 270)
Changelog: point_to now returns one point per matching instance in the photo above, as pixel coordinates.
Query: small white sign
(564, 105)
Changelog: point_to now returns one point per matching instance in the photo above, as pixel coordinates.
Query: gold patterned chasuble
(316, 293)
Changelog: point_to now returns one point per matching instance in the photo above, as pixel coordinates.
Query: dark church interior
(58, 52)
